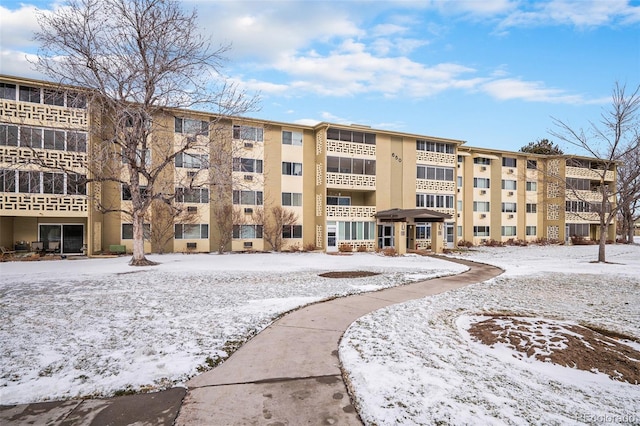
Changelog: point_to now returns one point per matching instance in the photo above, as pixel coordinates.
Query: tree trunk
(139, 258)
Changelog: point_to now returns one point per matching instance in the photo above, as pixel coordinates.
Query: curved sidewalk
(289, 374)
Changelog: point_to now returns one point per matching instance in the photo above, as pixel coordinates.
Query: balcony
(351, 148)
(351, 181)
(35, 114)
(22, 204)
(592, 174)
(350, 212)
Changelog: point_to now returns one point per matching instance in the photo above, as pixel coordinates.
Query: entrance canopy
(411, 215)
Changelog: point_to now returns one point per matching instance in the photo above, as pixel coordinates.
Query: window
(532, 186)
(459, 181)
(76, 141)
(351, 136)
(532, 208)
(191, 231)
(509, 184)
(127, 231)
(248, 133)
(191, 127)
(530, 230)
(356, 166)
(52, 183)
(247, 231)
(7, 180)
(53, 97)
(76, 184)
(292, 231)
(509, 162)
(29, 94)
(509, 207)
(192, 161)
(8, 91)
(424, 145)
(252, 198)
(459, 205)
(578, 229)
(356, 230)
(76, 100)
(579, 184)
(8, 135)
(28, 182)
(532, 164)
(338, 201)
(578, 206)
(247, 165)
(480, 231)
(291, 169)
(459, 231)
(292, 199)
(481, 206)
(291, 138)
(126, 192)
(423, 231)
(434, 200)
(195, 195)
(54, 139)
(435, 173)
(31, 137)
(482, 160)
(508, 231)
(481, 182)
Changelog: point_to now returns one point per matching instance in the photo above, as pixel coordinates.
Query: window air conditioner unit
(458, 214)
(248, 210)
(510, 171)
(510, 216)
(248, 244)
(248, 177)
(192, 246)
(191, 138)
(510, 193)
(483, 168)
(192, 209)
(482, 216)
(191, 174)
(483, 192)
(248, 144)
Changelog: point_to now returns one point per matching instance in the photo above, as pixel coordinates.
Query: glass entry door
(332, 241)
(385, 236)
(70, 237)
(449, 233)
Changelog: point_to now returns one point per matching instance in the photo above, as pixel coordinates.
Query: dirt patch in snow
(563, 343)
(349, 274)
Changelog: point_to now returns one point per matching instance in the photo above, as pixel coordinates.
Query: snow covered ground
(415, 363)
(96, 326)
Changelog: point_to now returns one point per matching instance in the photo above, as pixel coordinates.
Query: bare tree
(141, 60)
(273, 221)
(164, 217)
(615, 137)
(629, 192)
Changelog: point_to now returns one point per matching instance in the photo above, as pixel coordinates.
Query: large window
(248, 133)
(434, 200)
(435, 173)
(578, 229)
(291, 169)
(53, 97)
(482, 160)
(191, 127)
(76, 184)
(7, 180)
(532, 164)
(127, 231)
(291, 198)
(508, 231)
(338, 201)
(52, 183)
(579, 184)
(481, 182)
(247, 231)
(126, 192)
(35, 95)
(8, 91)
(509, 162)
(31, 137)
(481, 206)
(509, 184)
(351, 136)
(36, 182)
(192, 161)
(530, 231)
(251, 198)
(532, 186)
(54, 139)
(247, 165)
(578, 206)
(29, 182)
(29, 94)
(356, 166)
(509, 207)
(292, 231)
(195, 231)
(8, 135)
(195, 195)
(37, 137)
(424, 145)
(356, 231)
(532, 208)
(291, 138)
(480, 231)
(423, 231)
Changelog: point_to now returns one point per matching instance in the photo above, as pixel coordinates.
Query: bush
(389, 251)
(463, 243)
(516, 242)
(493, 243)
(345, 248)
(309, 247)
(581, 241)
(362, 248)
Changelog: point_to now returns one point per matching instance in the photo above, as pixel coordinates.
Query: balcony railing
(351, 148)
(19, 204)
(28, 113)
(350, 212)
(351, 181)
(584, 173)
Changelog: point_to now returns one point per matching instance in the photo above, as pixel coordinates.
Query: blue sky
(490, 72)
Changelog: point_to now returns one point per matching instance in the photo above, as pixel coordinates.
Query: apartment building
(346, 184)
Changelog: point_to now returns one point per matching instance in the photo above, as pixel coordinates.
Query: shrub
(389, 251)
(345, 248)
(516, 242)
(463, 243)
(581, 241)
(362, 248)
(493, 243)
(309, 247)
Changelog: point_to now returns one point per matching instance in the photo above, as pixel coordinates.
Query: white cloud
(17, 63)
(533, 91)
(17, 27)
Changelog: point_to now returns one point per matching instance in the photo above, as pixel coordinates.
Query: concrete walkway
(289, 374)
